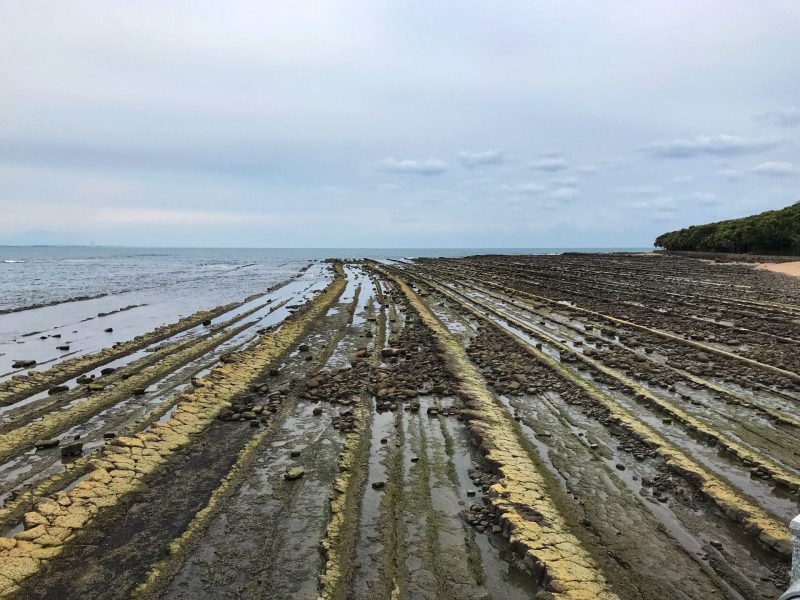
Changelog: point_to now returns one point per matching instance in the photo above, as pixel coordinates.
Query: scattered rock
(72, 449)
(23, 364)
(293, 473)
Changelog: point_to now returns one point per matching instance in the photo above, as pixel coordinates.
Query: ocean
(44, 274)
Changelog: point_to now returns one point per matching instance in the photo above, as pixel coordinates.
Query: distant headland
(770, 232)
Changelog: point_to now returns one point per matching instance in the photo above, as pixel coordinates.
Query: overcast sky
(436, 124)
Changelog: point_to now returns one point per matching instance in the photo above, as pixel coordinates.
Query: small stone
(293, 473)
(73, 449)
(108, 329)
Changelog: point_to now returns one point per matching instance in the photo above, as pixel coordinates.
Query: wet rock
(139, 391)
(62, 348)
(72, 449)
(304, 348)
(378, 485)
(108, 329)
(317, 411)
(50, 443)
(57, 389)
(249, 415)
(207, 322)
(293, 473)
(107, 371)
(23, 364)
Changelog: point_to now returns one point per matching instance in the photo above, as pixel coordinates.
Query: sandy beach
(787, 268)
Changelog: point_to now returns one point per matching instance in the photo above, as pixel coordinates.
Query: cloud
(566, 180)
(729, 174)
(704, 145)
(682, 179)
(165, 216)
(777, 169)
(782, 117)
(637, 190)
(431, 166)
(705, 198)
(530, 188)
(587, 170)
(550, 164)
(472, 160)
(563, 193)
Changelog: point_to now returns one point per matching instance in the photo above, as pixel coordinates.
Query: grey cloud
(529, 188)
(637, 190)
(478, 159)
(234, 161)
(566, 180)
(784, 117)
(550, 163)
(587, 170)
(682, 179)
(715, 145)
(705, 198)
(563, 193)
(729, 174)
(777, 169)
(430, 166)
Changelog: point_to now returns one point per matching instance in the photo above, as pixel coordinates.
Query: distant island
(770, 232)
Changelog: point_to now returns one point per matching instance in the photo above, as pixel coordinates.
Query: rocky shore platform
(583, 426)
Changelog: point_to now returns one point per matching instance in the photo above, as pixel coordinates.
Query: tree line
(770, 232)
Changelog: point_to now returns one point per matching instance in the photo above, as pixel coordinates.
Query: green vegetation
(771, 232)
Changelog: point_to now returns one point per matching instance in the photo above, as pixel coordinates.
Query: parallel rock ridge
(127, 461)
(20, 386)
(521, 499)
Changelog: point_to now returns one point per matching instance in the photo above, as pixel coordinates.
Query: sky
(393, 124)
